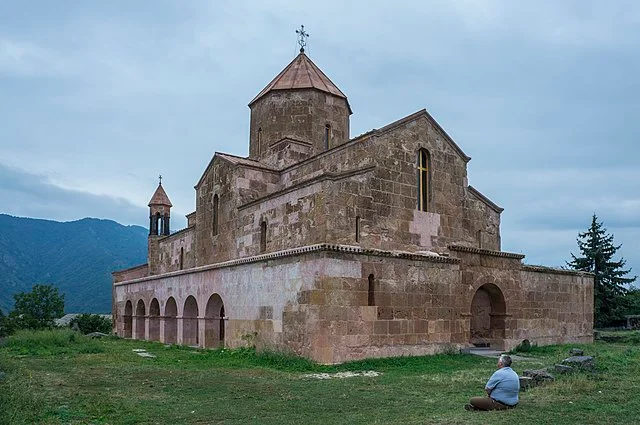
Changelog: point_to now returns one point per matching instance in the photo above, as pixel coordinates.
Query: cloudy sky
(98, 98)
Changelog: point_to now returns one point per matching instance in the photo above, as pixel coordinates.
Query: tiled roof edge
(473, 250)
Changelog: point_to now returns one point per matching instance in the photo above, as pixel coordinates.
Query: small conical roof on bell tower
(160, 197)
(302, 73)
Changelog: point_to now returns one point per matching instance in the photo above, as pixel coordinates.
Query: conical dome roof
(160, 197)
(301, 73)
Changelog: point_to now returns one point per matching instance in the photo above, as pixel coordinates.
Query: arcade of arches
(172, 328)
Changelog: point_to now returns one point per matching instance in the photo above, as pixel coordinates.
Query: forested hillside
(77, 257)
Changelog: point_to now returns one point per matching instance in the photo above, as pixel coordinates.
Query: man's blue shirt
(504, 385)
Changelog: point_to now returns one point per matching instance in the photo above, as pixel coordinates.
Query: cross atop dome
(302, 38)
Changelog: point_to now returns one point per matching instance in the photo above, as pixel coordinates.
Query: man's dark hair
(505, 360)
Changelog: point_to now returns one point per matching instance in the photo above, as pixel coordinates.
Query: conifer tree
(597, 250)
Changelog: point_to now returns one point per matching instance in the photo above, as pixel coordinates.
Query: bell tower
(159, 212)
(159, 219)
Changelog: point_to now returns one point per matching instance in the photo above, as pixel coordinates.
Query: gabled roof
(302, 73)
(235, 160)
(484, 199)
(415, 116)
(160, 197)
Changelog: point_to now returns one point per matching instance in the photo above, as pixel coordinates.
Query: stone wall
(234, 185)
(556, 307)
(298, 115)
(371, 180)
(543, 305)
(338, 303)
(132, 273)
(176, 252)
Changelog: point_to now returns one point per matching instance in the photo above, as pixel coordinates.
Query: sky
(99, 98)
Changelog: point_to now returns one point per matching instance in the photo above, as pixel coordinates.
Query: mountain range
(77, 257)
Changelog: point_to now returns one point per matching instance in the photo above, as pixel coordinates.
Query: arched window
(327, 137)
(158, 226)
(424, 183)
(263, 236)
(372, 296)
(215, 214)
(357, 228)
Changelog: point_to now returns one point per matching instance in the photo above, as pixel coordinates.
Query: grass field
(61, 377)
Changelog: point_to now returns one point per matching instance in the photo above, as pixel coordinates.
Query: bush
(7, 325)
(87, 323)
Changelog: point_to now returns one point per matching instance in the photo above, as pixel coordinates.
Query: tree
(597, 250)
(38, 309)
(6, 325)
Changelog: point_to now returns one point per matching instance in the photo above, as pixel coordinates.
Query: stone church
(338, 248)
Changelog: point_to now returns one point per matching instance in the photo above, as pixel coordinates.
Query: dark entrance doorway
(214, 322)
(170, 321)
(488, 311)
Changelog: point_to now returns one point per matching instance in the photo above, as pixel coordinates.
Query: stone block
(395, 327)
(526, 382)
(580, 362)
(369, 313)
(562, 368)
(381, 327)
(420, 326)
(539, 376)
(317, 297)
(385, 313)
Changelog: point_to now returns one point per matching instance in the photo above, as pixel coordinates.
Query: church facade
(339, 248)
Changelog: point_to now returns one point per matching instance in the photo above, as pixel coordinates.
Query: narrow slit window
(424, 193)
(216, 201)
(371, 300)
(263, 236)
(327, 137)
(259, 140)
(358, 228)
(181, 258)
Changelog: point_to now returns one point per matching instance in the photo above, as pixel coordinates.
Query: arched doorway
(170, 321)
(214, 322)
(488, 310)
(128, 319)
(154, 320)
(140, 319)
(190, 321)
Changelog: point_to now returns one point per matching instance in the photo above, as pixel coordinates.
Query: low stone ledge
(545, 269)
(405, 255)
(481, 251)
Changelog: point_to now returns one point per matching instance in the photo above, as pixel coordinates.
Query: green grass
(65, 378)
(623, 337)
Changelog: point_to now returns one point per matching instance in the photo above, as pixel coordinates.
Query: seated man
(502, 389)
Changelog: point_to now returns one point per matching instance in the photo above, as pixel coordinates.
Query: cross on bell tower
(302, 38)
